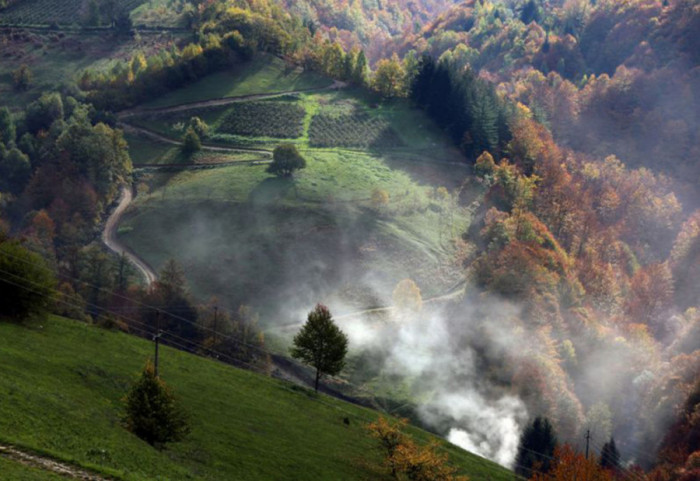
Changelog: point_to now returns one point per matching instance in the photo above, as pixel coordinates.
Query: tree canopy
(286, 159)
(321, 344)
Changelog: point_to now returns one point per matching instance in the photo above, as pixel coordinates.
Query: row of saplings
(154, 415)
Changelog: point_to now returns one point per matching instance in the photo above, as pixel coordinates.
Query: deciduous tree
(321, 344)
(285, 160)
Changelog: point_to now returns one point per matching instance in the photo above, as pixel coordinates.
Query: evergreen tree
(610, 456)
(152, 412)
(321, 344)
(359, 74)
(536, 448)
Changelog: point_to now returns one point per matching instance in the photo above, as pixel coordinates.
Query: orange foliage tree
(569, 465)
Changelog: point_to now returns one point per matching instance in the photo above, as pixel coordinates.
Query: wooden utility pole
(588, 440)
(156, 339)
(216, 319)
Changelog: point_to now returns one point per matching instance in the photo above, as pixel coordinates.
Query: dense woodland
(580, 120)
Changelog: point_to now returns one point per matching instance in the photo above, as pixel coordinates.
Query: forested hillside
(527, 166)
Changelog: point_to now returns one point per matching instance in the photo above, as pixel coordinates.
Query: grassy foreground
(60, 393)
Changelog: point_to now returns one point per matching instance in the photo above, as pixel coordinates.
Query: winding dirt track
(47, 464)
(125, 114)
(109, 237)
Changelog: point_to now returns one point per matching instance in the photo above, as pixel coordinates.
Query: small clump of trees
(286, 160)
(321, 344)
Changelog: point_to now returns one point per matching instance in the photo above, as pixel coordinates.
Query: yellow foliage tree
(407, 296)
(408, 460)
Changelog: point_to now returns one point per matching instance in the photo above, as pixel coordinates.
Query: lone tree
(321, 344)
(151, 411)
(285, 160)
(536, 448)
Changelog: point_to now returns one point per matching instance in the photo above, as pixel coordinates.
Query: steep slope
(62, 385)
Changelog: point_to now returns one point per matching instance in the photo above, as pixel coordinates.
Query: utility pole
(216, 319)
(156, 339)
(588, 440)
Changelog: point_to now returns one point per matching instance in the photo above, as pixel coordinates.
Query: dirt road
(47, 464)
(109, 237)
(125, 114)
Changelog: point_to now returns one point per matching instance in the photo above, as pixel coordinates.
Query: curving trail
(47, 464)
(109, 237)
(125, 114)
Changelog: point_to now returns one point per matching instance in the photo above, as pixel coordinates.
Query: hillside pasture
(63, 384)
(265, 74)
(249, 237)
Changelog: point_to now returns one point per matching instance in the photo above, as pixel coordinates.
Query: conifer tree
(152, 412)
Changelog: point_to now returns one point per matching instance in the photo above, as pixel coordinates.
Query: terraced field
(354, 129)
(282, 120)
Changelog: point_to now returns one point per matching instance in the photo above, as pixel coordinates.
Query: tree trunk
(318, 376)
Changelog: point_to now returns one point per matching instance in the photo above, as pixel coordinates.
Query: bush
(151, 411)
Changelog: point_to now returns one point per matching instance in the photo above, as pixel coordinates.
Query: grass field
(264, 74)
(248, 237)
(62, 383)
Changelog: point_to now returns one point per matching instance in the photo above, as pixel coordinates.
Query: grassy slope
(264, 74)
(248, 237)
(61, 386)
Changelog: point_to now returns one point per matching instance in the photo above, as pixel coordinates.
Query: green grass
(263, 75)
(15, 471)
(248, 237)
(62, 383)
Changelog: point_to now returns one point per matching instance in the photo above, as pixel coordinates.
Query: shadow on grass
(271, 190)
